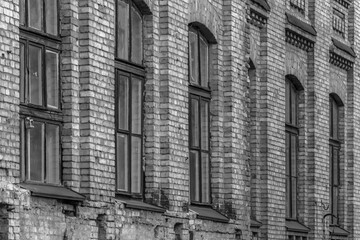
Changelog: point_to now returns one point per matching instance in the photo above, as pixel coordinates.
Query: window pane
(122, 159)
(288, 198)
(22, 12)
(136, 105)
(293, 105)
(52, 154)
(35, 14)
(22, 72)
(123, 102)
(293, 155)
(194, 59)
(194, 176)
(35, 75)
(123, 30)
(204, 58)
(336, 166)
(36, 149)
(194, 123)
(51, 17)
(205, 178)
(287, 103)
(52, 79)
(287, 150)
(23, 144)
(135, 165)
(204, 125)
(136, 37)
(334, 203)
(335, 120)
(293, 197)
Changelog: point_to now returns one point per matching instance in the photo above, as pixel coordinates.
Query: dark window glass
(22, 12)
(129, 133)
(40, 151)
(291, 142)
(35, 75)
(334, 154)
(35, 13)
(22, 72)
(129, 32)
(52, 79)
(51, 17)
(194, 59)
(204, 58)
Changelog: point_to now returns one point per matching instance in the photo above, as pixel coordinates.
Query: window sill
(255, 224)
(51, 191)
(335, 230)
(139, 204)
(295, 226)
(207, 213)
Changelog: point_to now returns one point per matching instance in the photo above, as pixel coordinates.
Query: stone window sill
(207, 213)
(296, 227)
(139, 204)
(52, 191)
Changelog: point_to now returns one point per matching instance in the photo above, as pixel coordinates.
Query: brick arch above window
(296, 81)
(337, 99)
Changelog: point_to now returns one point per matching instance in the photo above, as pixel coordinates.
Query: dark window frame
(128, 61)
(292, 129)
(130, 69)
(334, 160)
(201, 93)
(130, 75)
(41, 113)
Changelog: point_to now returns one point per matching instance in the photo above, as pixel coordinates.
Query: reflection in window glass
(52, 79)
(123, 30)
(52, 154)
(194, 61)
(135, 164)
(35, 14)
(51, 17)
(123, 102)
(35, 75)
(136, 105)
(36, 152)
(122, 157)
(136, 36)
(204, 57)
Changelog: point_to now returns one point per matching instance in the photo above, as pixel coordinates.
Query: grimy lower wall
(249, 64)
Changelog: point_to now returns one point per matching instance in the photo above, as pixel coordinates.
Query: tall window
(199, 118)
(129, 37)
(40, 107)
(129, 100)
(291, 133)
(334, 150)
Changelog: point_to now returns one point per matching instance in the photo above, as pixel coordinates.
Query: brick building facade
(179, 119)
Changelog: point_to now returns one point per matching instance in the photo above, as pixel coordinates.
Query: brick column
(272, 124)
(70, 93)
(174, 103)
(97, 119)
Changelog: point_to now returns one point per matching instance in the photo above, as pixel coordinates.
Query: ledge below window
(295, 226)
(338, 231)
(140, 205)
(207, 213)
(50, 191)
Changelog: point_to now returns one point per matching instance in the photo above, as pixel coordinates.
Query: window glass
(35, 14)
(35, 75)
(293, 197)
(287, 150)
(135, 164)
(205, 178)
(52, 154)
(136, 104)
(22, 72)
(122, 167)
(51, 17)
(22, 12)
(204, 125)
(195, 123)
(194, 59)
(335, 117)
(204, 57)
(123, 102)
(136, 36)
(335, 166)
(123, 30)
(36, 152)
(294, 155)
(293, 105)
(24, 140)
(52, 79)
(287, 102)
(194, 176)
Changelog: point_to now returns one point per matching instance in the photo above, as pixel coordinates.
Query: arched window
(334, 155)
(199, 93)
(291, 139)
(130, 75)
